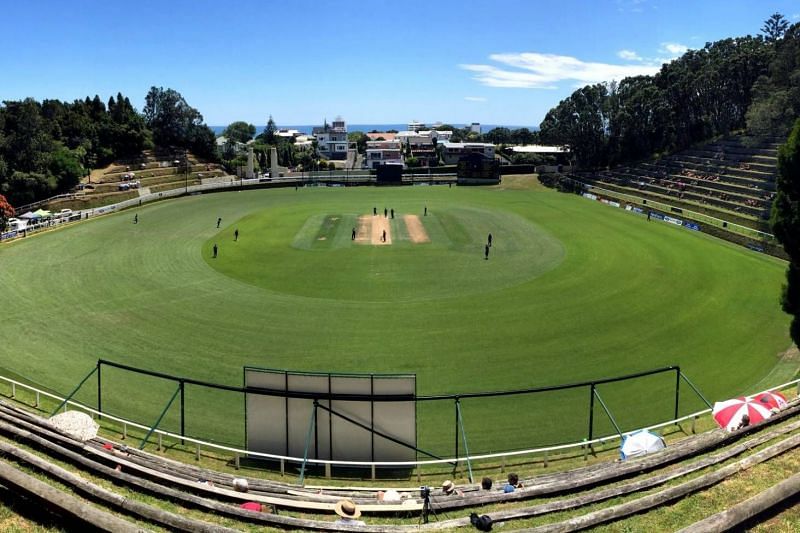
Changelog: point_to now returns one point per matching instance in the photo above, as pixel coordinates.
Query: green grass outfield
(573, 290)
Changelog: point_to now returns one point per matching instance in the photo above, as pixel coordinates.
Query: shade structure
(771, 400)
(42, 213)
(640, 443)
(29, 215)
(729, 413)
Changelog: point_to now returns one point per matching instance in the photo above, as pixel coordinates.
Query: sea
(306, 129)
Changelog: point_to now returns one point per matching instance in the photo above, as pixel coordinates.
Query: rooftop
(540, 149)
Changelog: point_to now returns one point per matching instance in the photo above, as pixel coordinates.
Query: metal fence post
(99, 392)
(455, 465)
(677, 391)
(183, 427)
(591, 411)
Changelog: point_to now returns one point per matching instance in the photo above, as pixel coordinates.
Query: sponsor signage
(691, 225)
(671, 220)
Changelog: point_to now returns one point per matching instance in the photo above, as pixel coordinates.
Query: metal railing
(584, 445)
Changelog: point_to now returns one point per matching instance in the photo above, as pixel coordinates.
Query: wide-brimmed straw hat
(347, 509)
(448, 487)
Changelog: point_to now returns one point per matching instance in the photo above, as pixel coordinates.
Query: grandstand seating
(696, 463)
(153, 172)
(731, 178)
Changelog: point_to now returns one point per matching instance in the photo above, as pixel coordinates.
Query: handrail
(274, 457)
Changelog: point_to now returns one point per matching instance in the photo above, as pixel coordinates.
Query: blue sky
(376, 61)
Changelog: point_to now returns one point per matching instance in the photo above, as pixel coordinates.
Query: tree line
(47, 147)
(727, 85)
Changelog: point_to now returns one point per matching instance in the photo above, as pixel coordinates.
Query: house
(286, 133)
(383, 153)
(538, 149)
(423, 144)
(304, 142)
(223, 144)
(381, 136)
(452, 152)
(332, 139)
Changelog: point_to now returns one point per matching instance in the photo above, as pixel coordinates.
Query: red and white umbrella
(771, 399)
(729, 413)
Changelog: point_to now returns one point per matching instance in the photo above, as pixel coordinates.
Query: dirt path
(379, 225)
(416, 231)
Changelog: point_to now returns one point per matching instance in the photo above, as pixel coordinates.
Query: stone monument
(273, 163)
(250, 172)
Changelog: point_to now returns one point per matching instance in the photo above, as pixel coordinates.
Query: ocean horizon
(306, 129)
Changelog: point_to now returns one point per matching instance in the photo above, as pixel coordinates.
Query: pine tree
(775, 27)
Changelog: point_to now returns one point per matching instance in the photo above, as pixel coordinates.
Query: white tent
(640, 443)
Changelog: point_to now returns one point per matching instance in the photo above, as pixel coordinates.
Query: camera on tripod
(424, 492)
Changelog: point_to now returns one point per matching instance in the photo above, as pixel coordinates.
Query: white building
(288, 133)
(475, 127)
(423, 137)
(332, 139)
(415, 126)
(383, 153)
(538, 149)
(304, 142)
(452, 152)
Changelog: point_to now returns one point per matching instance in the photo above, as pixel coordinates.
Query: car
(64, 213)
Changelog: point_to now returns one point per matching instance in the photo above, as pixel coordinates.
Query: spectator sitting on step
(513, 483)
(390, 496)
(349, 514)
(449, 489)
(486, 483)
(744, 423)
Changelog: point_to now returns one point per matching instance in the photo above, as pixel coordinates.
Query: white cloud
(673, 49)
(632, 6)
(796, 16)
(474, 98)
(629, 55)
(543, 71)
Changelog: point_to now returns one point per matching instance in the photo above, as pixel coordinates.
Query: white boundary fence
(229, 183)
(239, 452)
